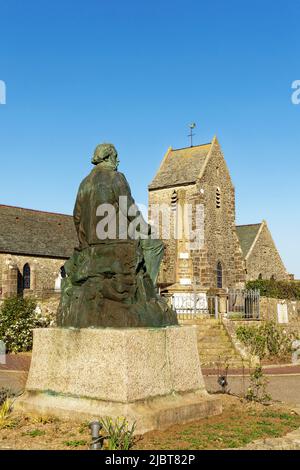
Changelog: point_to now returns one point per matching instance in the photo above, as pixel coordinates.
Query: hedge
(276, 289)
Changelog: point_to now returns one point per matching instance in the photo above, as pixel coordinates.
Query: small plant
(257, 387)
(75, 443)
(34, 433)
(118, 433)
(18, 317)
(5, 409)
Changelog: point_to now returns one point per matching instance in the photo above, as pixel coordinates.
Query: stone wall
(221, 240)
(156, 198)
(264, 260)
(269, 311)
(43, 273)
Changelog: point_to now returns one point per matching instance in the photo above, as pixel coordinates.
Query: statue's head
(106, 154)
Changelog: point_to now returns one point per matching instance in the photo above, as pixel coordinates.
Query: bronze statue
(110, 279)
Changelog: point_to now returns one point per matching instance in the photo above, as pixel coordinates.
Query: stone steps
(214, 345)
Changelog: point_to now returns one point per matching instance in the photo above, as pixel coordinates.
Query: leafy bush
(276, 289)
(266, 340)
(18, 317)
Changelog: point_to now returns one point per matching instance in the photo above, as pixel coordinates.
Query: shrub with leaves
(266, 340)
(18, 317)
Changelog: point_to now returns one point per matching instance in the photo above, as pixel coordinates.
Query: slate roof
(31, 232)
(247, 234)
(180, 166)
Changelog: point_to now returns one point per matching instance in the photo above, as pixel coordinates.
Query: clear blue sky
(136, 73)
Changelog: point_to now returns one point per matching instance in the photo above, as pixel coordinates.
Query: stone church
(262, 259)
(34, 245)
(229, 255)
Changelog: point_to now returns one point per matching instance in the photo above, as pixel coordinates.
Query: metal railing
(243, 303)
(192, 305)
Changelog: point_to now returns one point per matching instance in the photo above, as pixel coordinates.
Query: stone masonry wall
(44, 271)
(268, 311)
(264, 259)
(168, 271)
(221, 241)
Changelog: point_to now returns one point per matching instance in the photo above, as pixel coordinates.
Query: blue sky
(136, 73)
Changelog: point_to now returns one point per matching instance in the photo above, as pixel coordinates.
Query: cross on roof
(191, 135)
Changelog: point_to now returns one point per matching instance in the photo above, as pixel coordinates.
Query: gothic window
(218, 198)
(26, 276)
(219, 275)
(174, 198)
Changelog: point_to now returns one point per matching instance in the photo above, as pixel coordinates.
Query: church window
(218, 198)
(174, 199)
(260, 276)
(219, 275)
(26, 276)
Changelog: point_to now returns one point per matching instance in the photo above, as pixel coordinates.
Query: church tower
(203, 252)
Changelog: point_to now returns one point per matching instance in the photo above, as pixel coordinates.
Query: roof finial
(191, 135)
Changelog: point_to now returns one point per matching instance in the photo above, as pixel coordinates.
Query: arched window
(219, 275)
(260, 276)
(174, 198)
(26, 276)
(218, 198)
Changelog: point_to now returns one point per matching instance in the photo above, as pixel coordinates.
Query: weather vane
(191, 135)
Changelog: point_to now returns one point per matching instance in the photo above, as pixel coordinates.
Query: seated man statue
(110, 279)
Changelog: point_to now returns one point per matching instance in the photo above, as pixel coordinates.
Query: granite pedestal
(151, 376)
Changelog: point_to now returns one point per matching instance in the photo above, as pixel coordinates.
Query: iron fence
(243, 303)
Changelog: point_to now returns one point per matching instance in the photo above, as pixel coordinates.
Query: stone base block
(151, 376)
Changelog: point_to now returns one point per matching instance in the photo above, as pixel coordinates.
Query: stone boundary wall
(269, 312)
(231, 327)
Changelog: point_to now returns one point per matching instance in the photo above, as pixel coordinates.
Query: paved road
(283, 383)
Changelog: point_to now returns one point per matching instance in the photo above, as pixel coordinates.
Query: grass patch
(236, 427)
(34, 433)
(75, 443)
